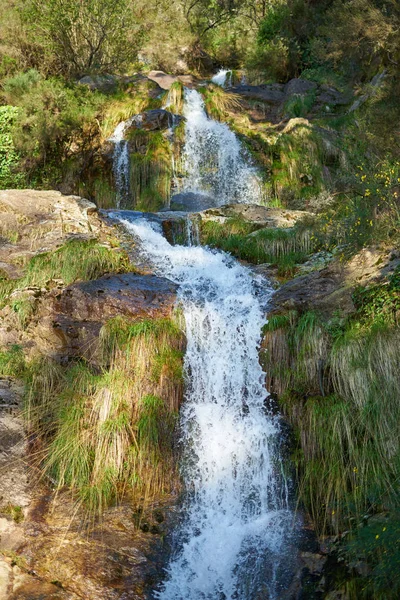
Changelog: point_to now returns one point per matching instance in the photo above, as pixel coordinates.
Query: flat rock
(257, 214)
(165, 81)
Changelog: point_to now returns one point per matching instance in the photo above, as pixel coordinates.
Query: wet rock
(191, 202)
(153, 120)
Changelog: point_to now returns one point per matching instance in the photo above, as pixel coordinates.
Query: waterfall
(121, 161)
(223, 77)
(214, 161)
(233, 542)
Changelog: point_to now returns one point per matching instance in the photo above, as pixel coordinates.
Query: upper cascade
(223, 78)
(214, 161)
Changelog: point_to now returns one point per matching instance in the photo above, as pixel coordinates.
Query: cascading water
(223, 77)
(234, 538)
(213, 160)
(121, 161)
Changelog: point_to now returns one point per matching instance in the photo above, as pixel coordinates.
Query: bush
(95, 36)
(9, 157)
(53, 119)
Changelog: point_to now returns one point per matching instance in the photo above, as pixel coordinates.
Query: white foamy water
(121, 161)
(213, 160)
(232, 543)
(222, 78)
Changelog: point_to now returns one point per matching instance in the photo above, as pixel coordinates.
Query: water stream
(234, 539)
(214, 161)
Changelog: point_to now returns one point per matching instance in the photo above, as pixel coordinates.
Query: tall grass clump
(110, 432)
(175, 97)
(12, 362)
(76, 260)
(339, 387)
(281, 247)
(220, 103)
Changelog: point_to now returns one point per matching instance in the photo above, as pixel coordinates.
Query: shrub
(9, 157)
(96, 36)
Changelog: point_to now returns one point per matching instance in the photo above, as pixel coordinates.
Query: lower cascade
(235, 536)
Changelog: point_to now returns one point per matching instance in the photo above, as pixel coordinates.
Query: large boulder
(39, 221)
(299, 87)
(271, 94)
(100, 83)
(330, 289)
(70, 326)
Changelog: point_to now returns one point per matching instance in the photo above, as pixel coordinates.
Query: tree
(205, 15)
(84, 36)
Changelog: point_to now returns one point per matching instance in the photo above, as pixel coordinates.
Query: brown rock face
(331, 288)
(72, 325)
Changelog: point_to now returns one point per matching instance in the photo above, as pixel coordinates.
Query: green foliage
(52, 119)
(12, 362)
(376, 542)
(281, 247)
(379, 303)
(109, 431)
(369, 215)
(9, 158)
(77, 38)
